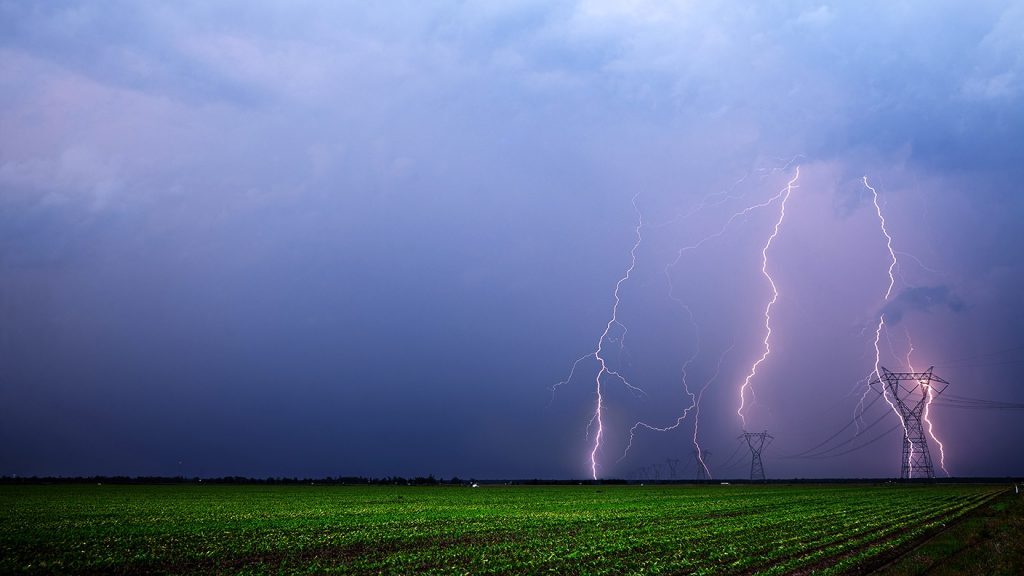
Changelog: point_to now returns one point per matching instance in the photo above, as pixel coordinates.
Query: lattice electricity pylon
(673, 463)
(911, 402)
(756, 442)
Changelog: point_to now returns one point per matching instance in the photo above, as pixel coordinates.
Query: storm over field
(490, 239)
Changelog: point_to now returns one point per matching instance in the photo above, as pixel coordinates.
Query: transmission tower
(672, 463)
(756, 442)
(911, 400)
(698, 459)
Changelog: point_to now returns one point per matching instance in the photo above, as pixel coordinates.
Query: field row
(499, 529)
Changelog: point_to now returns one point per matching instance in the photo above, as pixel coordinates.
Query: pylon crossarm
(917, 376)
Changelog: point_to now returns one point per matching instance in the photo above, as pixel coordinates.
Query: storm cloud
(921, 299)
(319, 238)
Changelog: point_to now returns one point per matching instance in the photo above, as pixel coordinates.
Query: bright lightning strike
(604, 371)
(930, 396)
(893, 263)
(785, 193)
(718, 198)
(695, 406)
(696, 412)
(694, 399)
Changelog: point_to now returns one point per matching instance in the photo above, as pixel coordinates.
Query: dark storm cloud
(374, 234)
(921, 299)
(123, 44)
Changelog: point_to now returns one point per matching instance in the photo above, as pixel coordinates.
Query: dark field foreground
(777, 529)
(989, 541)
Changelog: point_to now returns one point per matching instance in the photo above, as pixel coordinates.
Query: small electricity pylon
(698, 458)
(640, 473)
(673, 463)
(756, 442)
(911, 401)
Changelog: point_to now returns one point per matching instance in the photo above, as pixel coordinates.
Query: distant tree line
(430, 480)
(273, 480)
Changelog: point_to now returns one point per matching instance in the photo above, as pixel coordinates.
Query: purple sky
(324, 238)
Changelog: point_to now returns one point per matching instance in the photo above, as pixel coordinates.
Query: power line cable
(855, 448)
(838, 432)
(729, 462)
(824, 453)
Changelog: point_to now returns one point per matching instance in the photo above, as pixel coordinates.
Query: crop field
(663, 529)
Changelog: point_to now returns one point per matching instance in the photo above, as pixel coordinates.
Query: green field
(738, 529)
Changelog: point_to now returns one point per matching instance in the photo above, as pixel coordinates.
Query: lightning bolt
(710, 201)
(715, 199)
(604, 371)
(785, 194)
(893, 263)
(696, 412)
(694, 399)
(930, 396)
(695, 406)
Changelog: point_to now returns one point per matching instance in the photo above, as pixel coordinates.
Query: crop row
(536, 529)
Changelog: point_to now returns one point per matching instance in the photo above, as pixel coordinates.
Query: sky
(323, 238)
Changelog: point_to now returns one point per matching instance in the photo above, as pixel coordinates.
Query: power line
(730, 463)
(956, 401)
(823, 453)
(858, 447)
(838, 432)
